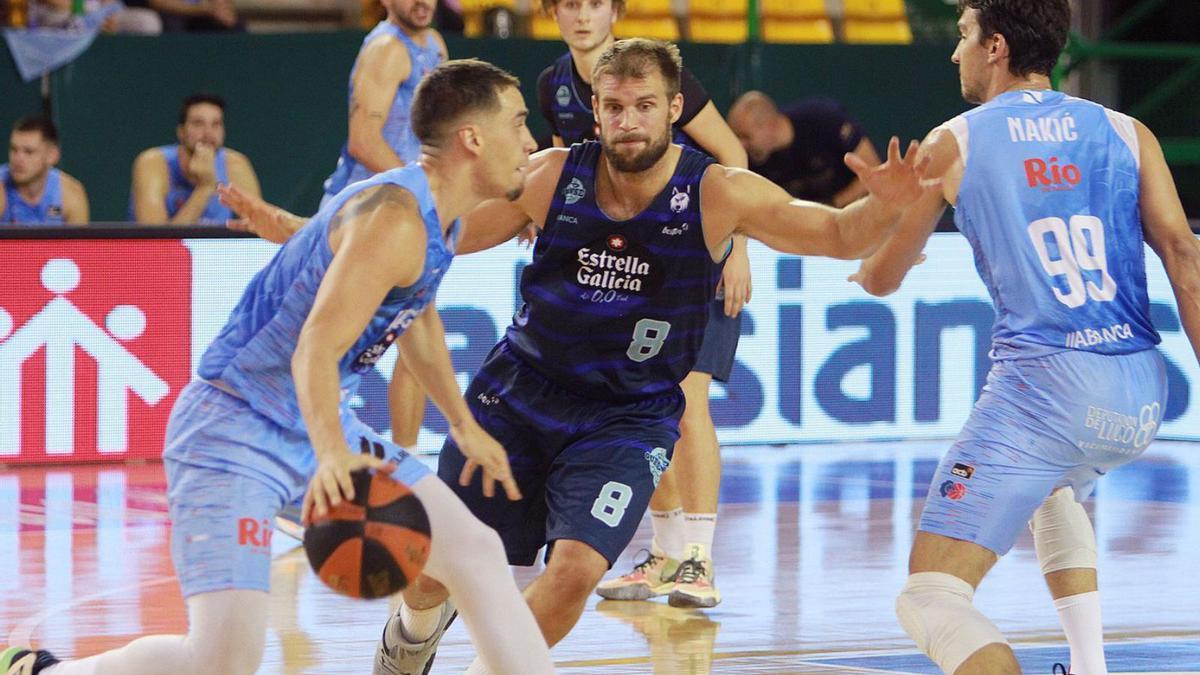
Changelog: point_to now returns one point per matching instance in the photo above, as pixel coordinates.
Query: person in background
(800, 148)
(177, 184)
(36, 193)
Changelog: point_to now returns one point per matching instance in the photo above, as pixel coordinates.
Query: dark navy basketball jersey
(616, 310)
(569, 107)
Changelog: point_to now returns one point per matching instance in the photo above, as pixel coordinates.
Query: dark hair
(1036, 30)
(40, 124)
(635, 58)
(549, 5)
(454, 89)
(197, 99)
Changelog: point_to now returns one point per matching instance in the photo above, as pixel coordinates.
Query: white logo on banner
(59, 328)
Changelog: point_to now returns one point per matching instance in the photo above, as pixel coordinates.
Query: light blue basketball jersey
(1049, 202)
(251, 356)
(397, 129)
(48, 211)
(179, 189)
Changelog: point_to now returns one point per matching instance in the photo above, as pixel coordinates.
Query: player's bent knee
(936, 611)
(1062, 534)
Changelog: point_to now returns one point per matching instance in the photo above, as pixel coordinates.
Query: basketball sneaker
(23, 661)
(650, 578)
(410, 658)
(694, 581)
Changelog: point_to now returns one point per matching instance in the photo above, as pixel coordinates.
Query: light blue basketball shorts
(1040, 424)
(229, 471)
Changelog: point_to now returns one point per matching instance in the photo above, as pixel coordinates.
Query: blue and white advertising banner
(820, 360)
(97, 337)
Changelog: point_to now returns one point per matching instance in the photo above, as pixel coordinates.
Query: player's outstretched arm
(762, 210)
(257, 216)
(1166, 230)
(378, 239)
(498, 220)
(882, 273)
(423, 349)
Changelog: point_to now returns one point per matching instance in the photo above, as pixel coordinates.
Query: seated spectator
(34, 191)
(198, 16)
(177, 184)
(801, 148)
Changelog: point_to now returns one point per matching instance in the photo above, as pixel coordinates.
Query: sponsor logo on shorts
(952, 490)
(657, 458)
(488, 399)
(963, 471)
(255, 533)
(1118, 432)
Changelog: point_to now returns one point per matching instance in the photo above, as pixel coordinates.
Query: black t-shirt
(569, 111)
(812, 167)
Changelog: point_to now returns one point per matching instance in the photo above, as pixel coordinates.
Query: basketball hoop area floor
(811, 548)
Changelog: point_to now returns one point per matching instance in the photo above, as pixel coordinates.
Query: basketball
(373, 546)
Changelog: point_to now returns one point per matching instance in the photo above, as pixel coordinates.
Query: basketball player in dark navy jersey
(684, 517)
(583, 390)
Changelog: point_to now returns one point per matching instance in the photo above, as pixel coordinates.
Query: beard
(643, 160)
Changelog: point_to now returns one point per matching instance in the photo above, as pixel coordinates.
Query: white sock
(418, 624)
(1080, 619)
(668, 532)
(477, 668)
(698, 528)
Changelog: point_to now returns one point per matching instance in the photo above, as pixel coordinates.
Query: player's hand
(900, 180)
(736, 281)
(527, 236)
(331, 484)
(257, 216)
(857, 277)
(481, 450)
(202, 167)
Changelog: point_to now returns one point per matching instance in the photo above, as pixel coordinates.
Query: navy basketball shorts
(586, 467)
(1040, 424)
(721, 337)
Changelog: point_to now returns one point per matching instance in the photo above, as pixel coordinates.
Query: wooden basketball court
(811, 549)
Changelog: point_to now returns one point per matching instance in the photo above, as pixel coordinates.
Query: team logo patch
(574, 191)
(616, 242)
(952, 490)
(680, 200)
(657, 458)
(963, 471)
(54, 212)
(563, 95)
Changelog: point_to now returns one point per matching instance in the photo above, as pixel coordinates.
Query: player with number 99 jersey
(1049, 197)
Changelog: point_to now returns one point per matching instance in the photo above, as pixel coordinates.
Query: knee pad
(935, 610)
(1062, 533)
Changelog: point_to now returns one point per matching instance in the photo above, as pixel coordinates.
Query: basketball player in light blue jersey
(33, 191)
(269, 413)
(394, 57)
(177, 184)
(1057, 196)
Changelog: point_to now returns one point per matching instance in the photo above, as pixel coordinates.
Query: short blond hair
(637, 57)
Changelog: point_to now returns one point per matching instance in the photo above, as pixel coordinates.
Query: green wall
(287, 96)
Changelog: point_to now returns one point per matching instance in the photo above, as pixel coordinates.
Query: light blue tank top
(180, 188)
(48, 211)
(397, 129)
(252, 355)
(1049, 202)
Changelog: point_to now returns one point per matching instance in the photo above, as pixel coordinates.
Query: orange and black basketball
(373, 546)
